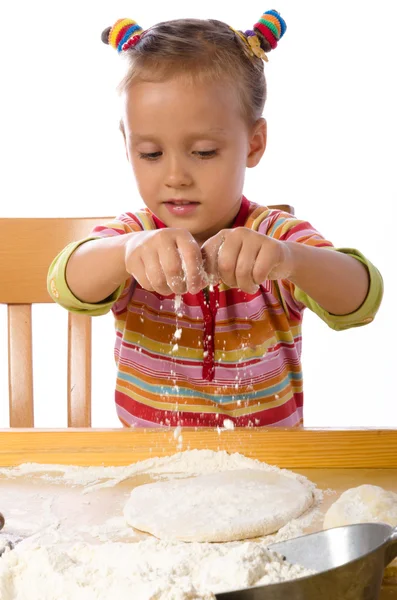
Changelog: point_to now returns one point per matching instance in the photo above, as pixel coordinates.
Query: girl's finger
(227, 259)
(193, 265)
(244, 268)
(209, 252)
(139, 274)
(262, 266)
(155, 273)
(172, 268)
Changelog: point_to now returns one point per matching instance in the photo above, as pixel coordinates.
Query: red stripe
(267, 34)
(121, 33)
(189, 419)
(242, 215)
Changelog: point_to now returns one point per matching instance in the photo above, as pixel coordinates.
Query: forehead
(178, 104)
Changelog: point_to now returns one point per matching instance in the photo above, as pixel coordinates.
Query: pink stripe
(168, 304)
(254, 374)
(135, 421)
(162, 318)
(242, 309)
(102, 231)
(292, 420)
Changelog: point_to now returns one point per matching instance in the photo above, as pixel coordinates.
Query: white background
(331, 153)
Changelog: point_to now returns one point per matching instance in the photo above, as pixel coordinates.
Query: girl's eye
(154, 155)
(207, 153)
(149, 155)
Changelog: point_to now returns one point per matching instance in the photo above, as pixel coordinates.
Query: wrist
(289, 260)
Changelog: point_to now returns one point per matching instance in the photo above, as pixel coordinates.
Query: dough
(363, 504)
(219, 507)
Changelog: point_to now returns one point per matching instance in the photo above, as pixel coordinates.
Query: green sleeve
(60, 292)
(364, 314)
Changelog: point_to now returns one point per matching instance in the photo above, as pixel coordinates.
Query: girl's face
(189, 147)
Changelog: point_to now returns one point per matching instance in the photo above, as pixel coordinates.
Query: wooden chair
(27, 248)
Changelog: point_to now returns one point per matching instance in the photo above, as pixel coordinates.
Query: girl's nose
(177, 175)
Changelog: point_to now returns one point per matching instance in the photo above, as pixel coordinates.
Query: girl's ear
(257, 145)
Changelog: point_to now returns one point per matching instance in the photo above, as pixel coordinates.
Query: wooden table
(333, 459)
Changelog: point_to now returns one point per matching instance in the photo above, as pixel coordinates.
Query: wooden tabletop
(286, 448)
(333, 459)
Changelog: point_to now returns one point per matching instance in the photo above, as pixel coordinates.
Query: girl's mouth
(181, 207)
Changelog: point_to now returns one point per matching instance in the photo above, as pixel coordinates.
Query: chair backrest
(27, 248)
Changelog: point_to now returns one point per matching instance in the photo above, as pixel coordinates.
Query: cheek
(227, 175)
(144, 174)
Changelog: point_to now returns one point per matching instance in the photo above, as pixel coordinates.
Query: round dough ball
(219, 507)
(363, 504)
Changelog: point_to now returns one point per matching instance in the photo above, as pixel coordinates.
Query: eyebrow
(194, 135)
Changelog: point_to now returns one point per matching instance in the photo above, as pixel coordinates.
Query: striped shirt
(199, 359)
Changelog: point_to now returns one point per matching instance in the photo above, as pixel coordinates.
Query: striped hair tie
(124, 34)
(271, 26)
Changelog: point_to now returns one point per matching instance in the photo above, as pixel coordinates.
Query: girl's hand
(243, 258)
(167, 261)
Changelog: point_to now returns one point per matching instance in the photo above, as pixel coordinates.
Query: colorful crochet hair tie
(271, 26)
(124, 34)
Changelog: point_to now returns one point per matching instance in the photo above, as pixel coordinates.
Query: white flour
(178, 305)
(178, 334)
(57, 564)
(145, 570)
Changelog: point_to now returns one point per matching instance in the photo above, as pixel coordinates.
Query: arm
(94, 268)
(97, 268)
(336, 281)
(340, 285)
(92, 275)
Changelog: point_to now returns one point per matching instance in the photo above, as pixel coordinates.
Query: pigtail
(269, 30)
(264, 35)
(123, 35)
(105, 35)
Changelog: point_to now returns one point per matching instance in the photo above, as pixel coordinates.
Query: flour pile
(145, 570)
(57, 563)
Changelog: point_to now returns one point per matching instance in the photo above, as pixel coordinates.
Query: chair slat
(79, 370)
(20, 365)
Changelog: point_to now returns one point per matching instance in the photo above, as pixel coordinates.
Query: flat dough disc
(219, 507)
(363, 504)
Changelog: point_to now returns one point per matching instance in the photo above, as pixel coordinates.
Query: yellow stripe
(165, 349)
(148, 223)
(162, 349)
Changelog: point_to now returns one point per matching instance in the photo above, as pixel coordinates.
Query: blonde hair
(202, 51)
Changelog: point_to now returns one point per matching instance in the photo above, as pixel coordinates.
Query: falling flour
(178, 304)
(57, 564)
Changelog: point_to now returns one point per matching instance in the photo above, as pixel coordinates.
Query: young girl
(207, 288)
